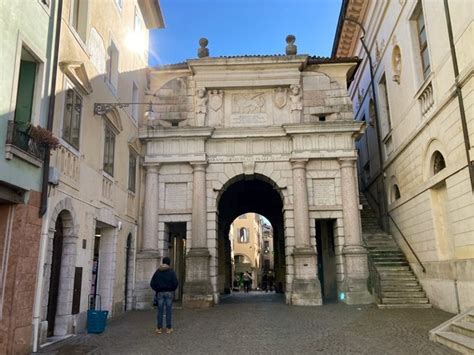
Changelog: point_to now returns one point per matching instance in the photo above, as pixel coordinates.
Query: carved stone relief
(396, 63)
(216, 99)
(201, 106)
(280, 98)
(248, 103)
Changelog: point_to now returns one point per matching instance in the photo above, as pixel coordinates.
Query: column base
(357, 274)
(147, 263)
(306, 288)
(197, 290)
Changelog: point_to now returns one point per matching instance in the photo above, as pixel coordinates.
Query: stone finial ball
(290, 39)
(203, 42)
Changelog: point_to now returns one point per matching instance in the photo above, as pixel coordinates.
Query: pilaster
(355, 254)
(306, 290)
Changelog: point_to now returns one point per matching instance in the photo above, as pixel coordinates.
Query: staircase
(456, 333)
(395, 283)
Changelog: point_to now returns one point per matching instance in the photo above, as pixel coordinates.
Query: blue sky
(238, 27)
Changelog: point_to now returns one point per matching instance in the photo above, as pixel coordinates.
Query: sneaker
(159, 331)
(169, 330)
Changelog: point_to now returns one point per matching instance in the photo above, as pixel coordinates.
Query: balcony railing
(18, 136)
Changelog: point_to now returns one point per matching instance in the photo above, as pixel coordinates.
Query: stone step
(398, 283)
(386, 253)
(395, 277)
(458, 342)
(403, 294)
(399, 288)
(406, 305)
(384, 263)
(395, 270)
(403, 300)
(387, 259)
(463, 327)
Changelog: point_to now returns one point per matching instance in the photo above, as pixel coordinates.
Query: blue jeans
(165, 299)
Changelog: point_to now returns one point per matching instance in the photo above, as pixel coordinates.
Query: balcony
(19, 143)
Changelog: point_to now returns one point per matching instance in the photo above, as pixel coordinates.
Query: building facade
(269, 134)
(91, 227)
(247, 242)
(416, 157)
(26, 42)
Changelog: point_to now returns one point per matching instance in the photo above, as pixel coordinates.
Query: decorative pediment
(113, 118)
(134, 144)
(76, 72)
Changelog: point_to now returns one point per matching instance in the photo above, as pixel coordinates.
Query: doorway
(326, 259)
(253, 195)
(55, 275)
(177, 251)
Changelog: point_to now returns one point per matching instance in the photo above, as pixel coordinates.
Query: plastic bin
(96, 319)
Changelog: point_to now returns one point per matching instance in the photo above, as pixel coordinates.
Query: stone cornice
(348, 33)
(245, 132)
(191, 132)
(356, 127)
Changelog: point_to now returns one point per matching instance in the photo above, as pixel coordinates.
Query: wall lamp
(102, 108)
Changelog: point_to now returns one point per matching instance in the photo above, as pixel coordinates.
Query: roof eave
(151, 11)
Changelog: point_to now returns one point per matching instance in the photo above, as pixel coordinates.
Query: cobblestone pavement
(260, 323)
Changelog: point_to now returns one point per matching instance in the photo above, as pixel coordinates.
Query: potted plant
(43, 137)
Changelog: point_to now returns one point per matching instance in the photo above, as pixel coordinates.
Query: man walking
(164, 282)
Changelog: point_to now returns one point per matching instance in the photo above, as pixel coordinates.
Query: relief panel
(324, 191)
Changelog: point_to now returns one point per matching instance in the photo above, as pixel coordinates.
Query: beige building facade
(415, 160)
(90, 231)
(269, 134)
(246, 243)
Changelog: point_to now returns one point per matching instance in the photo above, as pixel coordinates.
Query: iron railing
(18, 136)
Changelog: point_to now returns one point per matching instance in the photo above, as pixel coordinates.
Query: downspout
(52, 100)
(467, 144)
(44, 191)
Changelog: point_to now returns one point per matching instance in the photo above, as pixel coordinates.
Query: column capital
(347, 162)
(198, 165)
(152, 168)
(298, 163)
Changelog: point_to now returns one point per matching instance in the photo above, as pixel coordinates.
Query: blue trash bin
(96, 319)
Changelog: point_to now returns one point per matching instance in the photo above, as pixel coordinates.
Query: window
(438, 162)
(134, 100)
(137, 24)
(79, 9)
(266, 246)
(384, 106)
(112, 65)
(109, 151)
(72, 118)
(119, 4)
(243, 235)
(395, 193)
(26, 89)
(132, 171)
(422, 41)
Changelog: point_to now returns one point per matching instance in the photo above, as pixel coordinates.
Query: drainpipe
(465, 132)
(52, 100)
(383, 205)
(40, 279)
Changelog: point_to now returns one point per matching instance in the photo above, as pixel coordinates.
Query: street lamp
(376, 111)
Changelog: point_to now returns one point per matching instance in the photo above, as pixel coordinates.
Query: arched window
(438, 162)
(243, 235)
(395, 193)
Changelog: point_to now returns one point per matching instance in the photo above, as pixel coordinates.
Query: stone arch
(63, 320)
(434, 150)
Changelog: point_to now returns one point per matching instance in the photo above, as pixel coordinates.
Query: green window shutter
(26, 87)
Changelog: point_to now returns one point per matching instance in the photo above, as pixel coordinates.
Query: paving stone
(261, 323)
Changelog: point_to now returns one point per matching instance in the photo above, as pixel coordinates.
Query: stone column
(148, 259)
(197, 291)
(150, 212)
(355, 254)
(306, 287)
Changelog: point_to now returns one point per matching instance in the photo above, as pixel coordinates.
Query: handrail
(406, 241)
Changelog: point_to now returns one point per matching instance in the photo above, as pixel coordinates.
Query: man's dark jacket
(164, 279)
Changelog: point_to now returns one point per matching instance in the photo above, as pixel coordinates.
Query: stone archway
(240, 195)
(61, 226)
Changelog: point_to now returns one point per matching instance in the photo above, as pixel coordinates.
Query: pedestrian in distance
(247, 281)
(164, 282)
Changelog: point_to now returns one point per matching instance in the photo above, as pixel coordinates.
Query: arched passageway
(241, 195)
